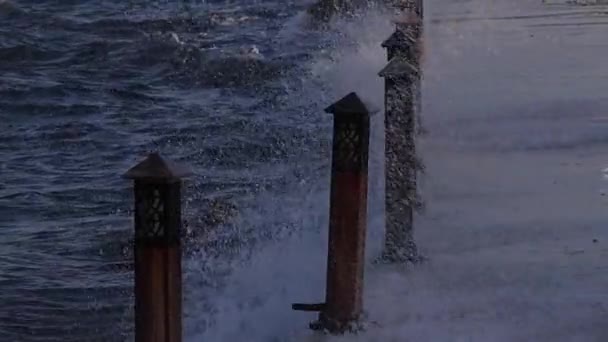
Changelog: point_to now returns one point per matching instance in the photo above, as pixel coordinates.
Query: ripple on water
(86, 90)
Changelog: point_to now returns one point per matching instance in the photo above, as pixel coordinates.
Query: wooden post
(401, 161)
(403, 105)
(348, 218)
(407, 41)
(404, 40)
(157, 249)
(414, 6)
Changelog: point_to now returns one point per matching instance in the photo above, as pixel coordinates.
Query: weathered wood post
(407, 42)
(157, 249)
(401, 164)
(348, 218)
(404, 41)
(415, 6)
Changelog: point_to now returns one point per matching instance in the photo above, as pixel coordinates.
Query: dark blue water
(232, 89)
(87, 88)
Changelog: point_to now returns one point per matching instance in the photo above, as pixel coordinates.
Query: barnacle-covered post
(348, 218)
(157, 249)
(400, 161)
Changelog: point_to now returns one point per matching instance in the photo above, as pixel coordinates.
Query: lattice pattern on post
(151, 210)
(157, 199)
(347, 148)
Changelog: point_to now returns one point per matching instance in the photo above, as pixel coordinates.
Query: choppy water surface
(88, 87)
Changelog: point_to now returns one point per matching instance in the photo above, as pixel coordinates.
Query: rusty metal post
(401, 164)
(348, 215)
(157, 249)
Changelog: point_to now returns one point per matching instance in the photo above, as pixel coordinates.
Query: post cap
(398, 66)
(351, 104)
(154, 167)
(398, 38)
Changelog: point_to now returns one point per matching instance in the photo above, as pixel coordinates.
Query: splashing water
(495, 248)
(514, 225)
(255, 303)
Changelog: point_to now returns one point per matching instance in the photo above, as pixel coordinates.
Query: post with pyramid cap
(404, 40)
(343, 305)
(401, 163)
(157, 249)
(407, 41)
